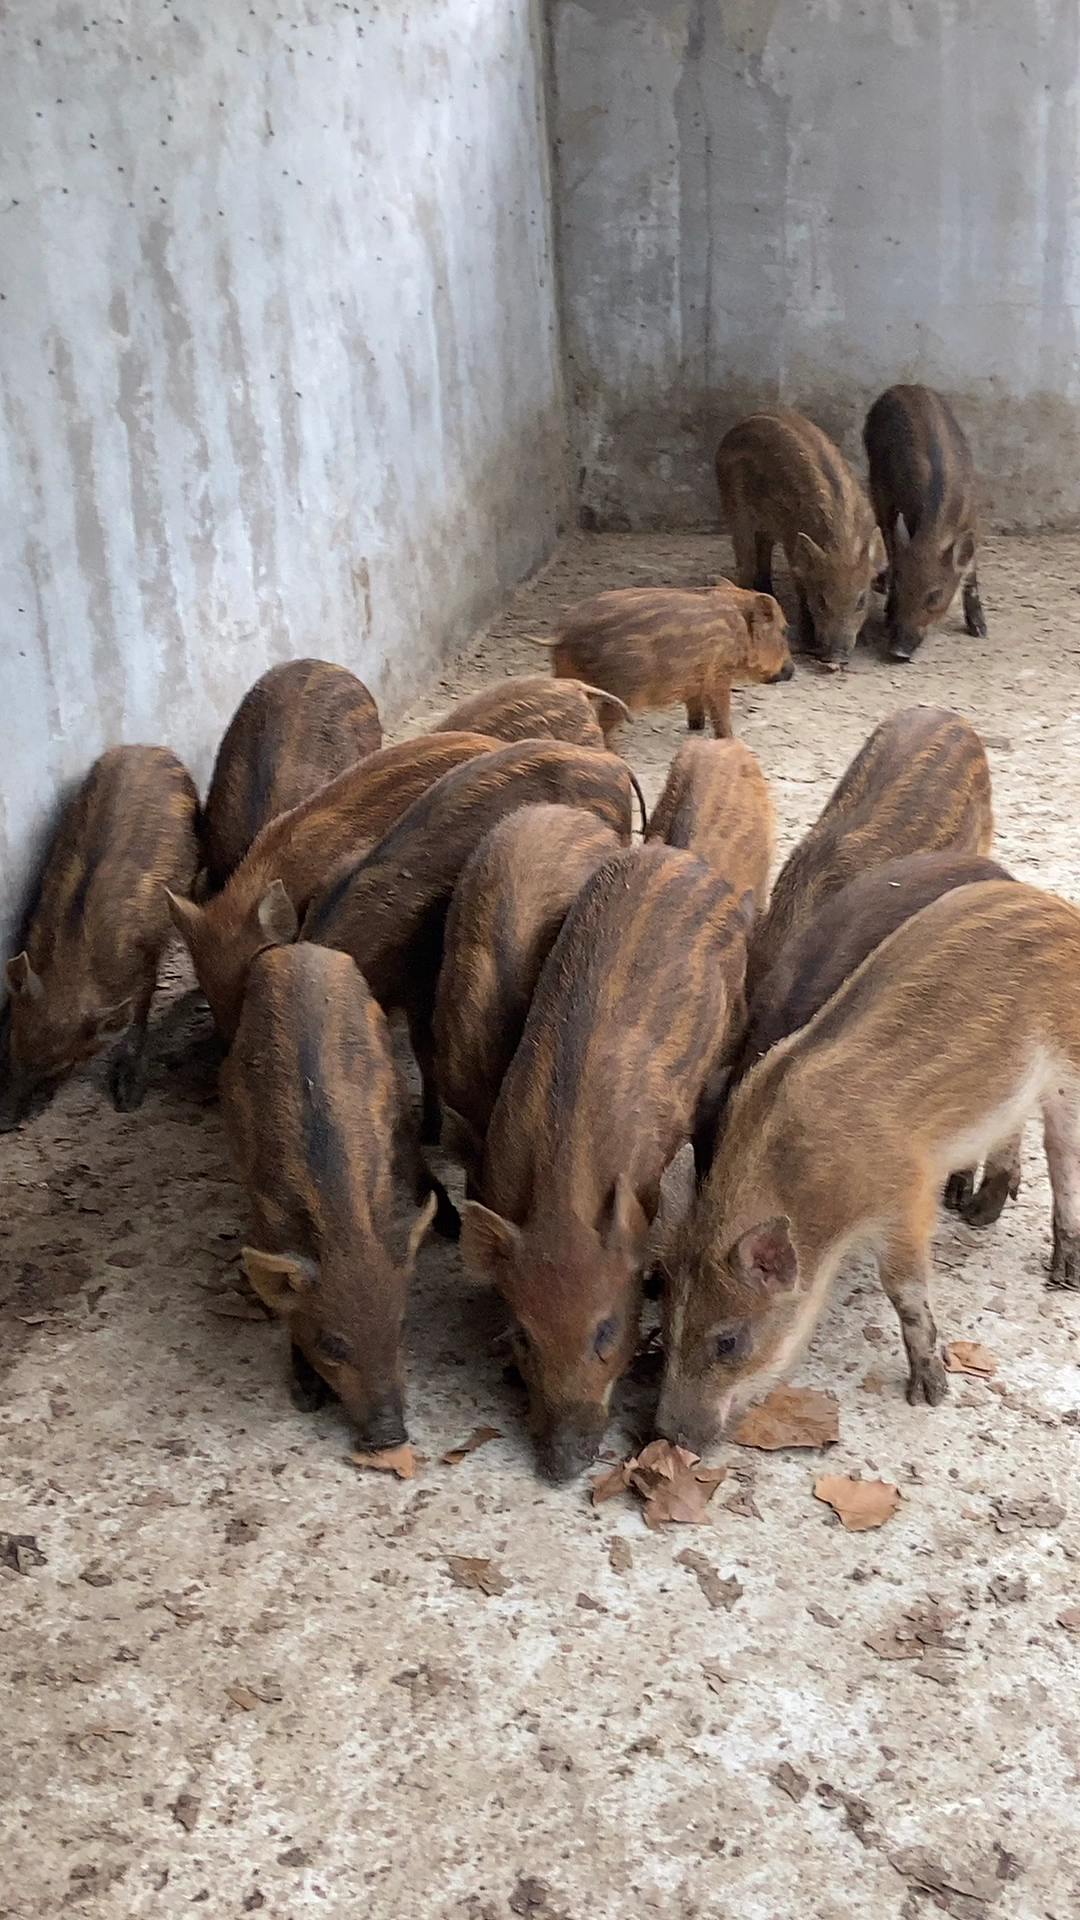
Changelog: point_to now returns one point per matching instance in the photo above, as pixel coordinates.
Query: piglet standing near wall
(653, 646)
(299, 726)
(782, 479)
(922, 482)
(90, 964)
(629, 1017)
(318, 1122)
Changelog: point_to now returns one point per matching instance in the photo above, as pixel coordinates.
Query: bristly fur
(717, 803)
(919, 784)
(300, 725)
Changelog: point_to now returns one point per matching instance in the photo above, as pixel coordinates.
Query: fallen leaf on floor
(790, 1417)
(185, 1810)
(920, 1866)
(1069, 1618)
(919, 1630)
(620, 1554)
(861, 1504)
(970, 1356)
(790, 1781)
(744, 1505)
(936, 1667)
(95, 1575)
(400, 1460)
(610, 1481)
(482, 1575)
(819, 1614)
(872, 1382)
(591, 1606)
(1011, 1515)
(671, 1480)
(479, 1437)
(20, 1552)
(243, 1697)
(718, 1593)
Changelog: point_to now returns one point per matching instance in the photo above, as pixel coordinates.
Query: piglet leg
(1000, 1182)
(974, 617)
(1061, 1135)
(904, 1263)
(127, 1068)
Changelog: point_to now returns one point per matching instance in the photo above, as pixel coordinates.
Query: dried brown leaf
(744, 1505)
(718, 1592)
(1011, 1515)
(819, 1614)
(873, 1382)
(185, 1810)
(790, 1417)
(479, 1437)
(670, 1479)
(481, 1575)
(611, 1481)
(620, 1554)
(861, 1504)
(400, 1460)
(243, 1697)
(1069, 1618)
(970, 1356)
(790, 1781)
(717, 1677)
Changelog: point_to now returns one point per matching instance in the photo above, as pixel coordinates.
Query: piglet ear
(21, 977)
(765, 1257)
(808, 550)
(277, 916)
(488, 1242)
(678, 1190)
(185, 915)
(279, 1279)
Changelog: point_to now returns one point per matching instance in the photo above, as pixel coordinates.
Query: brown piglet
(294, 856)
(389, 909)
(532, 706)
(89, 966)
(505, 914)
(628, 1018)
(318, 1124)
(782, 479)
(717, 803)
(930, 1056)
(818, 959)
(922, 483)
(299, 726)
(919, 784)
(653, 646)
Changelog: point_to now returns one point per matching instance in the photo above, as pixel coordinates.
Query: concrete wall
(278, 359)
(802, 201)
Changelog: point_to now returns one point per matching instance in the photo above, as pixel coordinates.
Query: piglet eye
(605, 1336)
(725, 1344)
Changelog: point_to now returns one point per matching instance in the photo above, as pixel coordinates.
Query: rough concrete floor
(406, 1748)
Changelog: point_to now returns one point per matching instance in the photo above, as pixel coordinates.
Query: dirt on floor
(239, 1676)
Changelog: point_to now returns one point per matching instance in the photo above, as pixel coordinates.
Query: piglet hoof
(127, 1080)
(929, 1382)
(1065, 1261)
(988, 1204)
(695, 722)
(959, 1191)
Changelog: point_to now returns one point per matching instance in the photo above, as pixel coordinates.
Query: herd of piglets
(648, 1065)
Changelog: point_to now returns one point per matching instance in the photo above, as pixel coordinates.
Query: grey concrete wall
(278, 359)
(802, 201)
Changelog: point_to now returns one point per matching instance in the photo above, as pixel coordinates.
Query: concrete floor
(398, 1747)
